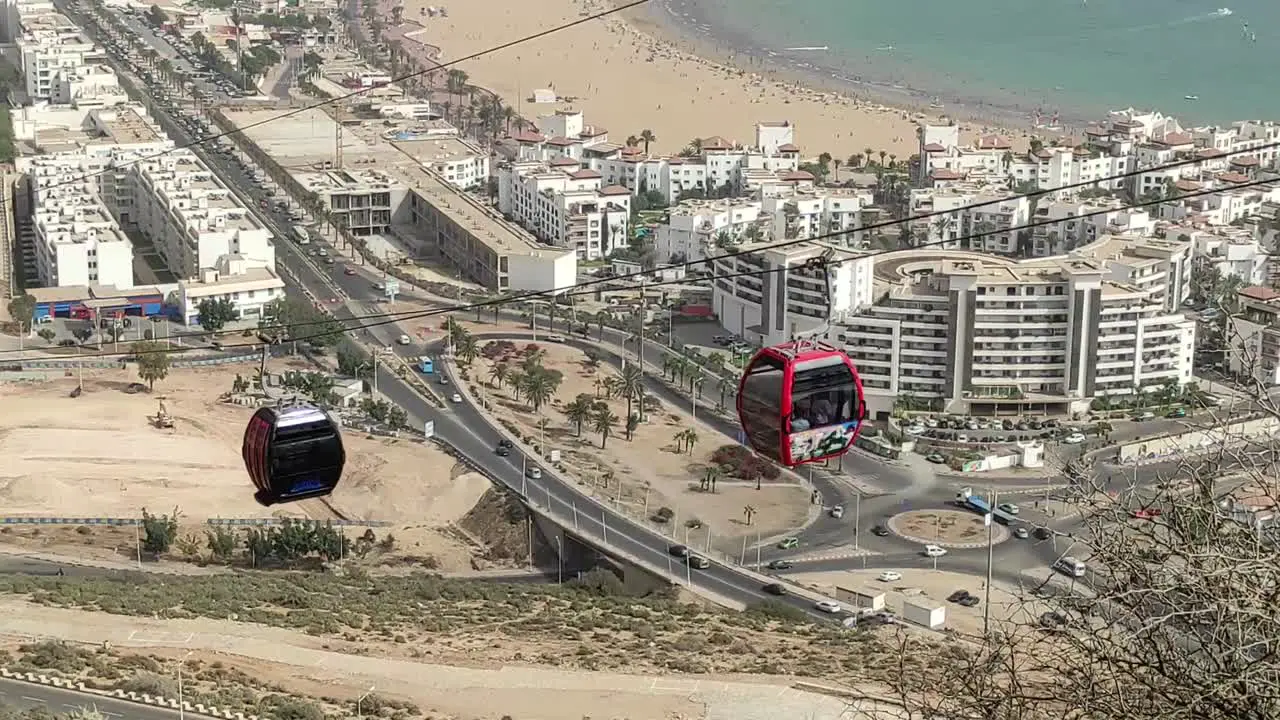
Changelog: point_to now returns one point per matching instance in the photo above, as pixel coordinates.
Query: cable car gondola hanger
(292, 450)
(802, 401)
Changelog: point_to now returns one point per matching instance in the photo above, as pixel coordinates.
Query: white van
(1070, 566)
(302, 236)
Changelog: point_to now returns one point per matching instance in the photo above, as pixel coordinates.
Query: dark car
(970, 600)
(781, 564)
(504, 443)
(879, 531)
(957, 596)
(775, 589)
(678, 550)
(502, 450)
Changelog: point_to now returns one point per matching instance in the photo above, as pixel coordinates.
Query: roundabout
(946, 528)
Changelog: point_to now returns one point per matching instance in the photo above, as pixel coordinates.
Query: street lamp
(361, 699)
(181, 704)
(560, 559)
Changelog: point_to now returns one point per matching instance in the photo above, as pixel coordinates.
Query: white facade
(52, 51)
(976, 333)
(192, 218)
(77, 241)
(1235, 255)
(542, 270)
(230, 278)
(439, 147)
(695, 226)
(717, 167)
(566, 206)
(785, 299)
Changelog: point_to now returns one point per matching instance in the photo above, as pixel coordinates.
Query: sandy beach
(627, 80)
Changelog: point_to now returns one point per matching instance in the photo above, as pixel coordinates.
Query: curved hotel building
(974, 333)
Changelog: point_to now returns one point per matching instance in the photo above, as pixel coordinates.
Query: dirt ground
(98, 456)
(624, 469)
(945, 527)
(931, 587)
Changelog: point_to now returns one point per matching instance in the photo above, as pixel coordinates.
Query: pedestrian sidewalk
(578, 692)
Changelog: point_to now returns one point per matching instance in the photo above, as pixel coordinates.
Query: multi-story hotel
(566, 205)
(974, 333)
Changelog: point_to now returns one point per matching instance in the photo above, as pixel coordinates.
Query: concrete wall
(1198, 440)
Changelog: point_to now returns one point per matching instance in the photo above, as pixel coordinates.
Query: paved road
(57, 701)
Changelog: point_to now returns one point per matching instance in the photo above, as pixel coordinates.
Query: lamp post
(360, 700)
(181, 705)
(560, 558)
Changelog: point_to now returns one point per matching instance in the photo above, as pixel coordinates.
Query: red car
(1146, 513)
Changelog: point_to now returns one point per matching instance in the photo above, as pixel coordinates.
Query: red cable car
(801, 402)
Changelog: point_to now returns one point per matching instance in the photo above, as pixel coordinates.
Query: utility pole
(640, 345)
(986, 605)
(857, 515)
(375, 374)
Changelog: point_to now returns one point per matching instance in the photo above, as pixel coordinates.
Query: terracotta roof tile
(614, 190)
(934, 147)
(1257, 292)
(586, 175)
(788, 148)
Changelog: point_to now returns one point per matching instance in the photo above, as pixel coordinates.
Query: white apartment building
(785, 299)
(364, 201)
(1232, 252)
(1254, 335)
(980, 334)
(192, 218)
(482, 246)
(77, 242)
(695, 226)
(440, 148)
(716, 167)
(52, 52)
(1071, 224)
(790, 212)
(249, 288)
(566, 205)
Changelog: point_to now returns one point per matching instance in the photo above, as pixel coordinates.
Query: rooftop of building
(255, 278)
(73, 293)
(438, 149)
(123, 125)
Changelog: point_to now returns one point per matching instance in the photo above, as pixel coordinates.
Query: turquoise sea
(1079, 57)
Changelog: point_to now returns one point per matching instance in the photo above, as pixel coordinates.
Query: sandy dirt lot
(624, 468)
(931, 587)
(628, 81)
(97, 455)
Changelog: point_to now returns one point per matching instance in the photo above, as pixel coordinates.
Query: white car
(837, 512)
(1074, 438)
(934, 551)
(828, 606)
(914, 430)
(456, 398)
(889, 576)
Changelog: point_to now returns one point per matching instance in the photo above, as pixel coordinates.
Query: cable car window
(761, 405)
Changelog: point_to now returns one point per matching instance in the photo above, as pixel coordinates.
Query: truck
(930, 616)
(967, 498)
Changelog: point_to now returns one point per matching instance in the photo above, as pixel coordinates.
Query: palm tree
(632, 141)
(723, 387)
(612, 386)
(750, 512)
(538, 389)
(632, 386)
(516, 380)
(646, 137)
(497, 374)
(883, 154)
(867, 153)
(603, 423)
(579, 411)
(690, 439)
(467, 351)
(456, 83)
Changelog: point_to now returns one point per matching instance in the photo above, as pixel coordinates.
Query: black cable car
(293, 453)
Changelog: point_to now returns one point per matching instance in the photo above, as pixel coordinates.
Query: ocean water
(1078, 57)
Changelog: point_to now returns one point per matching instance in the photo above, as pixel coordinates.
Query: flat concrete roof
(436, 149)
(296, 138)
